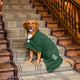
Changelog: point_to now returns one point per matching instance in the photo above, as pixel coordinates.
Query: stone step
(17, 6)
(16, 1)
(19, 10)
(3, 44)
(4, 56)
(20, 32)
(53, 38)
(47, 17)
(21, 42)
(72, 50)
(77, 62)
(23, 52)
(18, 24)
(64, 40)
(31, 69)
(43, 11)
(37, 2)
(46, 31)
(1, 25)
(40, 6)
(3, 33)
(20, 16)
(54, 76)
(58, 31)
(52, 24)
(6, 71)
(22, 57)
(3, 41)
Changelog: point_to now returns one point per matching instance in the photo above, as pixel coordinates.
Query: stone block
(18, 24)
(15, 33)
(18, 11)
(16, 1)
(15, 6)
(20, 16)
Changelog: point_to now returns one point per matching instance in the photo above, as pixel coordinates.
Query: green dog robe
(41, 43)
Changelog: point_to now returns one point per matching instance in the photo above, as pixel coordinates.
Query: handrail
(77, 1)
(69, 14)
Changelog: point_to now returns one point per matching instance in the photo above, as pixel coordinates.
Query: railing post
(60, 9)
(71, 19)
(74, 19)
(56, 6)
(68, 14)
(59, 5)
(77, 24)
(63, 5)
(65, 11)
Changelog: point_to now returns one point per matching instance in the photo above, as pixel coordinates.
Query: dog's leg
(38, 58)
(69, 61)
(31, 55)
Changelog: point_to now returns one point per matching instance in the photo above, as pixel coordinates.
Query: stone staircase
(15, 13)
(7, 66)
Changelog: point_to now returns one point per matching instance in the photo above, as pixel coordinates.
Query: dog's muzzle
(30, 29)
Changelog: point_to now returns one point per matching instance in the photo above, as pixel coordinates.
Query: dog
(31, 27)
(43, 46)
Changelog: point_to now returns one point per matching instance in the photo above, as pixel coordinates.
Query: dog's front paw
(36, 62)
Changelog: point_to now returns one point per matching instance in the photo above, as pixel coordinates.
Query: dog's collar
(29, 37)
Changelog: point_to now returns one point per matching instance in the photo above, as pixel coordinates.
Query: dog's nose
(30, 27)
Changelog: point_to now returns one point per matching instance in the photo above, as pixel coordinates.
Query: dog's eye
(33, 23)
(27, 23)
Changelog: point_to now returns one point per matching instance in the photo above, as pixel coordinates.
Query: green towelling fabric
(41, 43)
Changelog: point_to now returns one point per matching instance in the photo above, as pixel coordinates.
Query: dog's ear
(24, 25)
(37, 24)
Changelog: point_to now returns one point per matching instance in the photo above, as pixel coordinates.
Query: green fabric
(41, 43)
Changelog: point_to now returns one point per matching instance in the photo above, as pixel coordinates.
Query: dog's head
(30, 25)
